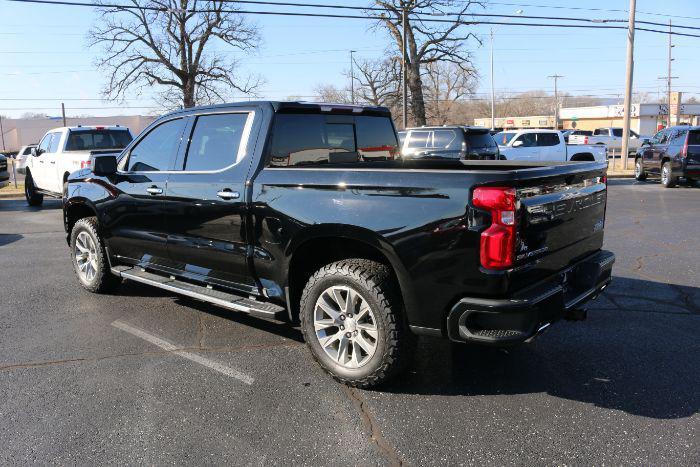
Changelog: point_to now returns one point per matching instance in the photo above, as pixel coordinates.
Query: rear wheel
(33, 198)
(639, 173)
(90, 257)
(667, 178)
(352, 320)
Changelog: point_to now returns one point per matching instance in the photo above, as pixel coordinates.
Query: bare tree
(378, 82)
(331, 93)
(171, 44)
(428, 42)
(445, 85)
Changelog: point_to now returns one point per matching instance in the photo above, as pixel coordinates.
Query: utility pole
(668, 78)
(493, 92)
(404, 18)
(2, 134)
(63, 113)
(556, 100)
(628, 86)
(352, 79)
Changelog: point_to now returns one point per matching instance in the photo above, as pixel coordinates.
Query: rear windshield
(89, 140)
(311, 140)
(504, 137)
(480, 140)
(694, 137)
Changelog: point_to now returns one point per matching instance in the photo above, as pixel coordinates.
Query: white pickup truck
(611, 138)
(65, 150)
(545, 145)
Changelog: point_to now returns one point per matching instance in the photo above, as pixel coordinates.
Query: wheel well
(583, 156)
(65, 177)
(313, 254)
(76, 212)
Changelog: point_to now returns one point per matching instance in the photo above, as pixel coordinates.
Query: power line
(363, 17)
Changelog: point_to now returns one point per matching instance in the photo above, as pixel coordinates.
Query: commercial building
(539, 121)
(645, 119)
(22, 131)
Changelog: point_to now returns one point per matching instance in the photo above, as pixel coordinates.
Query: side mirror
(36, 152)
(646, 143)
(104, 165)
(517, 144)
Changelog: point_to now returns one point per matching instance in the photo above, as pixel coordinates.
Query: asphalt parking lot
(147, 377)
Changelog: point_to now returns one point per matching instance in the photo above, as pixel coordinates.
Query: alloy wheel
(664, 175)
(345, 326)
(86, 257)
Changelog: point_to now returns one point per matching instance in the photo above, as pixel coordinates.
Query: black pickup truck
(307, 212)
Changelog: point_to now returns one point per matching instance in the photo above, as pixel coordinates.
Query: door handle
(154, 190)
(228, 194)
(52, 162)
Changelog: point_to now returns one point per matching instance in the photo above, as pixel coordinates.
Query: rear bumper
(514, 320)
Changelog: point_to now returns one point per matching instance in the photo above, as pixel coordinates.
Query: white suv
(65, 150)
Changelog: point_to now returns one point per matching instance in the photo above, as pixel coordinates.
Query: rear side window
(215, 141)
(158, 148)
(547, 139)
(419, 139)
(308, 140)
(89, 140)
(480, 140)
(617, 132)
(446, 139)
(693, 137)
(503, 138)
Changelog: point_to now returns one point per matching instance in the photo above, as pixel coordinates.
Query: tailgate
(578, 139)
(560, 222)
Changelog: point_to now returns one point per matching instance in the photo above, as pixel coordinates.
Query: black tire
(667, 178)
(33, 198)
(373, 282)
(103, 280)
(639, 174)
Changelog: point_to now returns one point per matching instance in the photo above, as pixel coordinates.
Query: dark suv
(449, 142)
(672, 153)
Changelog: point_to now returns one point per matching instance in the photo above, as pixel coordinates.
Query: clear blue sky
(43, 54)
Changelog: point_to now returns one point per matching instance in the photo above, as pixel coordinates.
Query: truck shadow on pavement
(633, 354)
(6, 239)
(20, 205)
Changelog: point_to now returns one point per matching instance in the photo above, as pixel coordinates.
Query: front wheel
(352, 320)
(33, 198)
(90, 257)
(639, 173)
(667, 178)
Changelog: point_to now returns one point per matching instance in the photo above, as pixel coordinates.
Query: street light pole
(404, 18)
(493, 91)
(352, 78)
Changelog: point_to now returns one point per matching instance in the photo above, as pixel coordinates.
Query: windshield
(504, 137)
(89, 140)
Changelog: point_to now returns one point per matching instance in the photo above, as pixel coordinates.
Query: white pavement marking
(165, 345)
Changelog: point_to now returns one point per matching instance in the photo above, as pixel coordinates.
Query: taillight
(497, 246)
(85, 164)
(585, 140)
(684, 151)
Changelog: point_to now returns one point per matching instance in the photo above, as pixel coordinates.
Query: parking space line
(165, 345)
